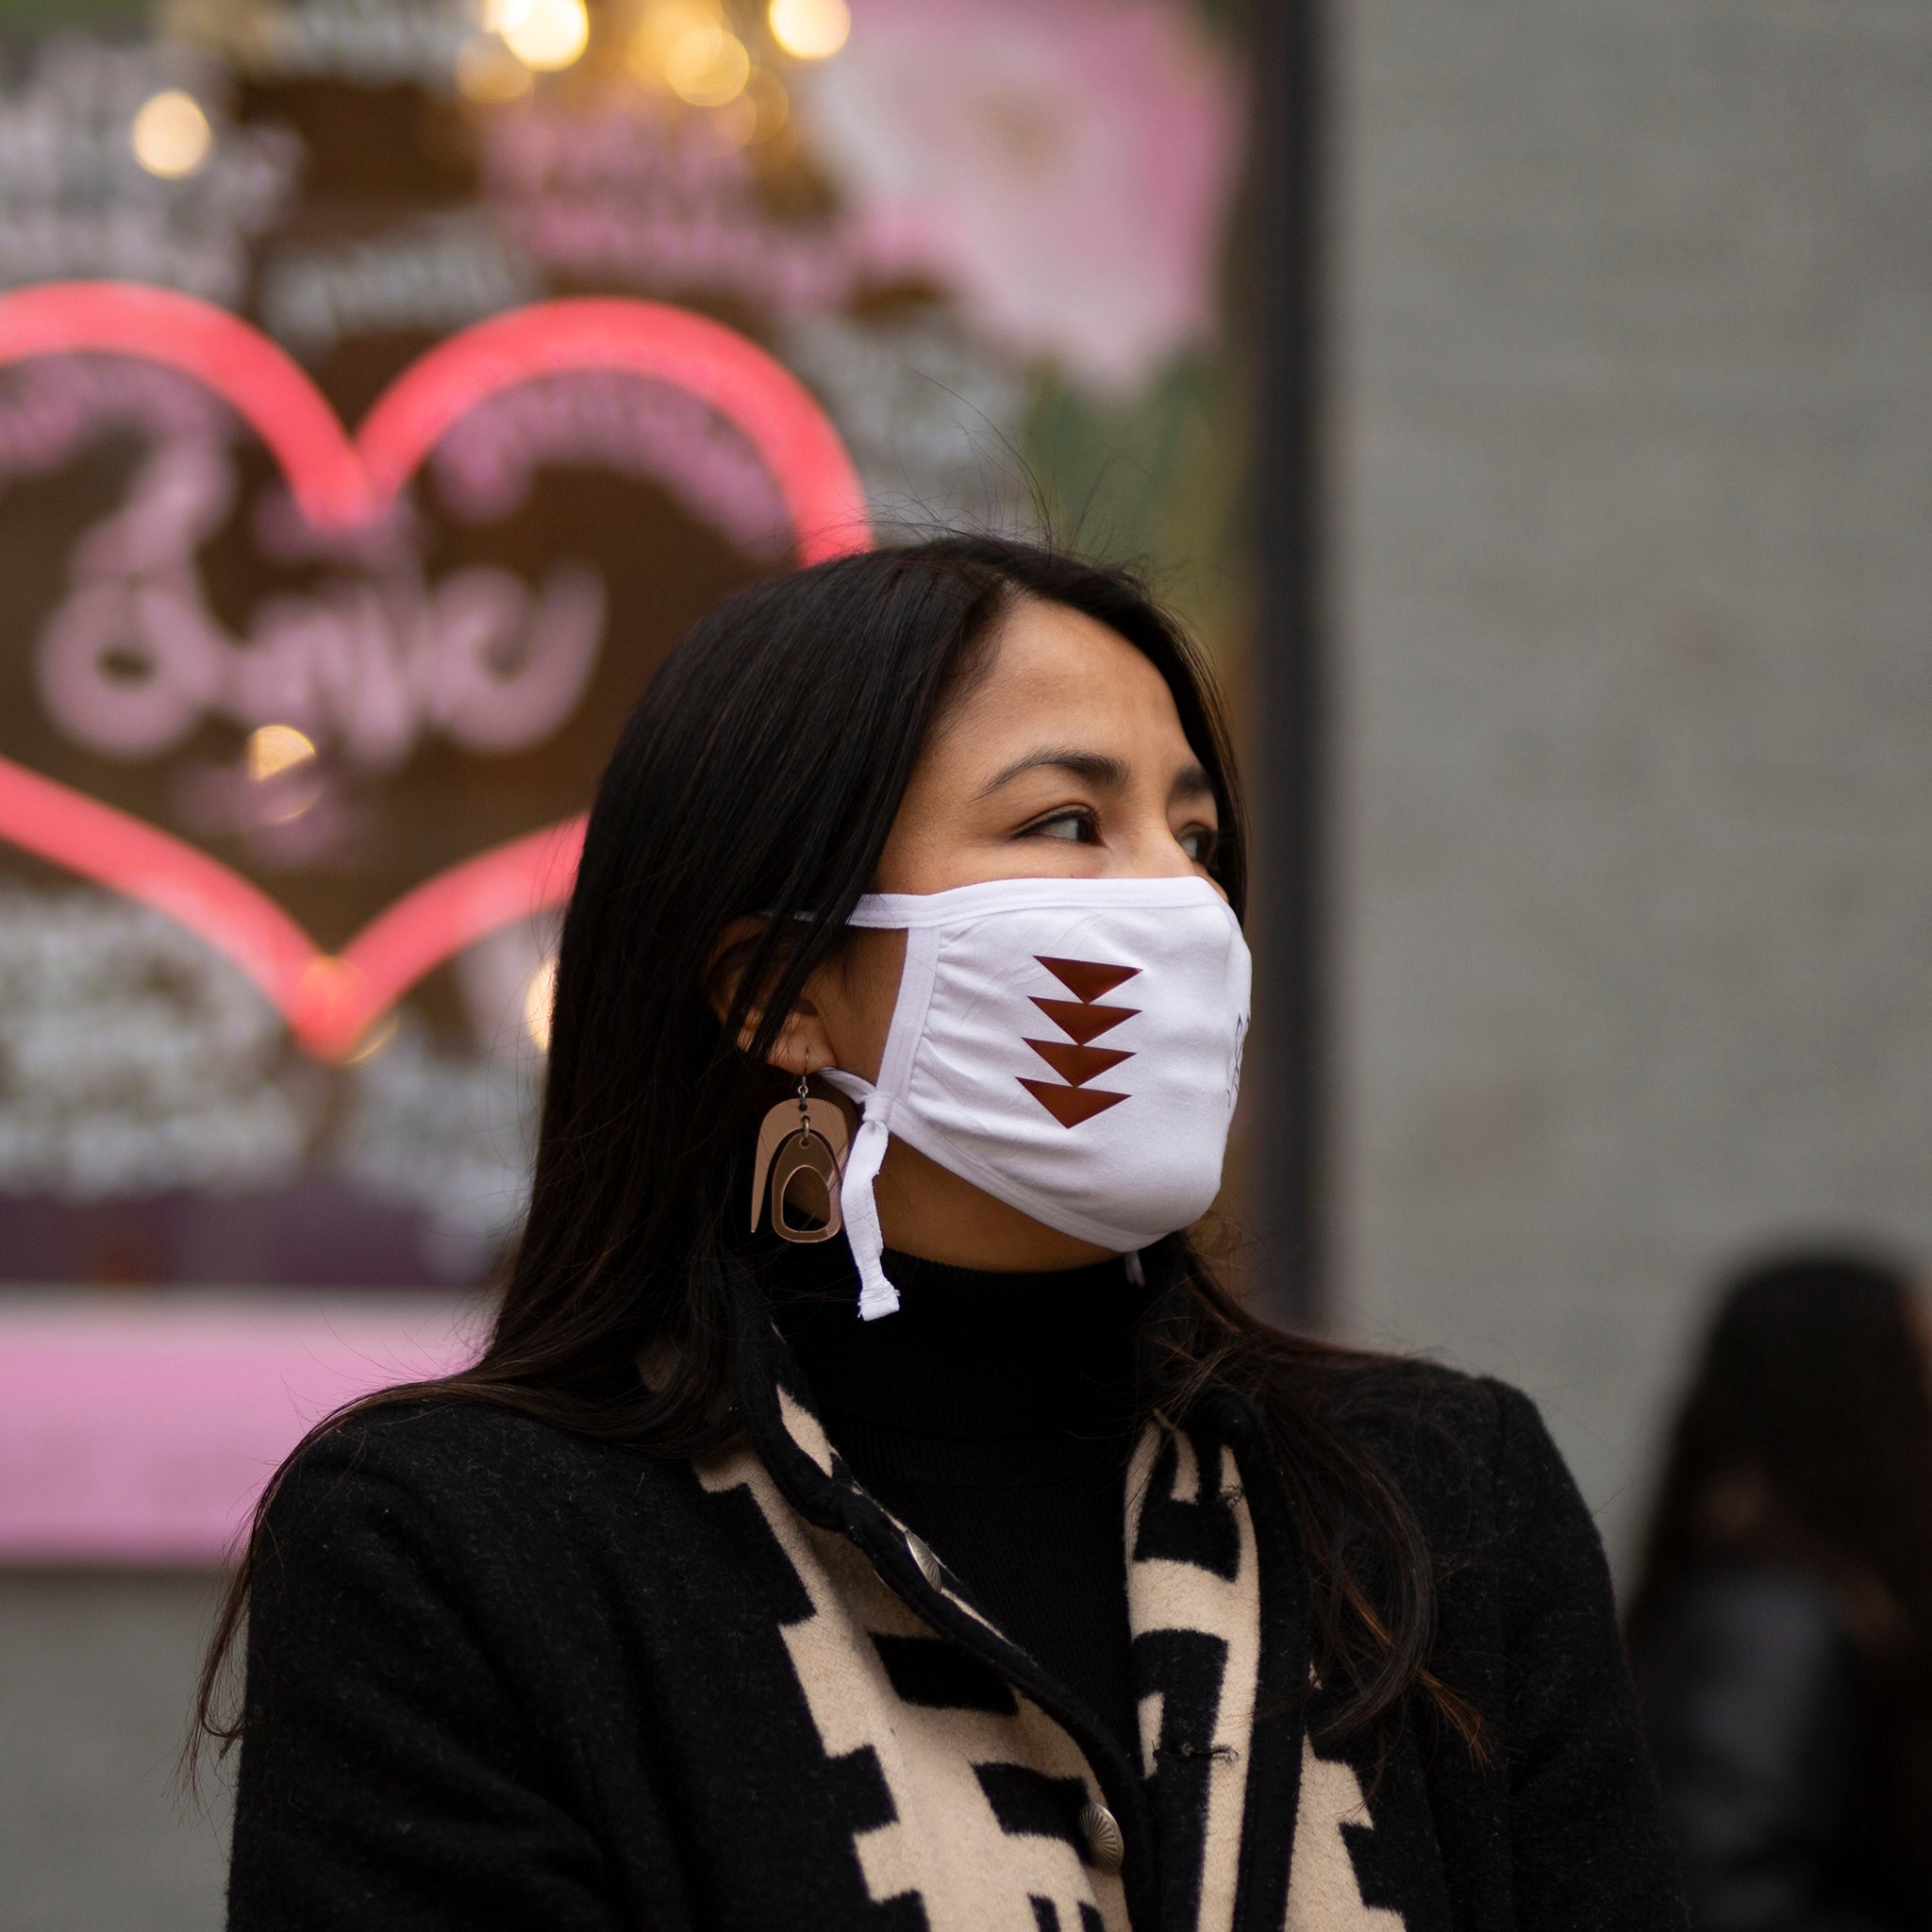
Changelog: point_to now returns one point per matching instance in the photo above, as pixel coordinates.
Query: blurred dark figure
(1783, 1628)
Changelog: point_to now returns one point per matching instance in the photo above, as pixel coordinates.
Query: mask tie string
(857, 1202)
(860, 1209)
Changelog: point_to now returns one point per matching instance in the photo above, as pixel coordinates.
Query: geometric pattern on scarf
(984, 1790)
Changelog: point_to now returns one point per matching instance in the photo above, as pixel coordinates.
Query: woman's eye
(1075, 826)
(1198, 842)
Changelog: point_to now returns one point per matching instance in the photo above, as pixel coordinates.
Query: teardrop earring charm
(804, 1136)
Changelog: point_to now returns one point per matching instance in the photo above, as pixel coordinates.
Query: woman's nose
(1153, 852)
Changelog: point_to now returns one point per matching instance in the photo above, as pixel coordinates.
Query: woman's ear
(802, 1045)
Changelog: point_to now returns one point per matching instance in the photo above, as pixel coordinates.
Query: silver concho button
(921, 1552)
(1105, 1847)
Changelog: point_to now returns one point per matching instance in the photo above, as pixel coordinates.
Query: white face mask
(1071, 1046)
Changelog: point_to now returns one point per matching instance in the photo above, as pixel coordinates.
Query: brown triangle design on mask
(1076, 1059)
(1070, 1106)
(1076, 1065)
(1083, 1023)
(1087, 980)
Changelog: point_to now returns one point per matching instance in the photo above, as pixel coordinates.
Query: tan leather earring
(812, 1140)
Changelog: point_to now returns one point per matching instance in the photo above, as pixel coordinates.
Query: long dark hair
(760, 774)
(1805, 1444)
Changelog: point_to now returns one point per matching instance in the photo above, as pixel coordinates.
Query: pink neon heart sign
(342, 481)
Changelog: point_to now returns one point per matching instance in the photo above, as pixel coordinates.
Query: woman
(1784, 1626)
(983, 1565)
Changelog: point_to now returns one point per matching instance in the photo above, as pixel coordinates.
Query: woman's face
(1065, 759)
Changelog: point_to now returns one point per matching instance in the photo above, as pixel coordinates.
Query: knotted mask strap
(861, 1208)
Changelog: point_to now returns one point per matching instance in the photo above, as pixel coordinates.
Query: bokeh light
(661, 25)
(756, 114)
(489, 72)
(171, 136)
(810, 29)
(546, 35)
(707, 66)
(273, 749)
(539, 995)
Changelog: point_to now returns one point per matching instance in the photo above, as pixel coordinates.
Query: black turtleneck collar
(969, 1355)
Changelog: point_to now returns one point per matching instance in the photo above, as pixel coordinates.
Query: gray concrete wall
(95, 1833)
(1633, 457)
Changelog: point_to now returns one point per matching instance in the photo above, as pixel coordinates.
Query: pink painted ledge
(137, 1426)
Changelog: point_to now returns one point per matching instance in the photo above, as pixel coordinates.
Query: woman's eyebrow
(1095, 767)
(1191, 781)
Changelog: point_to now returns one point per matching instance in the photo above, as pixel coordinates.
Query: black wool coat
(503, 1677)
